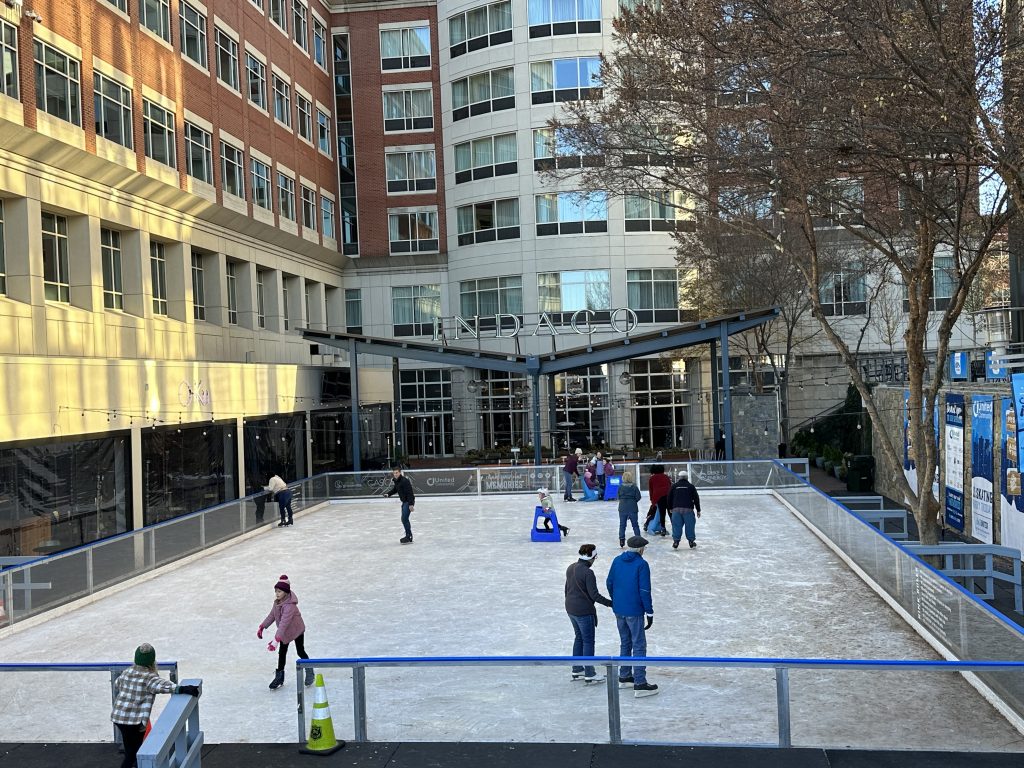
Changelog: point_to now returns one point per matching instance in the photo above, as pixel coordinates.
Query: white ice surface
(759, 584)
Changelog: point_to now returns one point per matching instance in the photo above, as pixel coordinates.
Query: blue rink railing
(610, 664)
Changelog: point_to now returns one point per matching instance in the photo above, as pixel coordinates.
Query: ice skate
(577, 676)
(405, 540)
(644, 689)
(625, 682)
(310, 676)
(278, 680)
(593, 679)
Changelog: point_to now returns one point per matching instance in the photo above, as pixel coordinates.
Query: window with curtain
(407, 48)
(413, 232)
(490, 296)
(565, 79)
(653, 294)
(844, 292)
(411, 110)
(480, 28)
(488, 221)
(574, 290)
(563, 17)
(483, 92)
(414, 309)
(552, 149)
(410, 171)
(657, 210)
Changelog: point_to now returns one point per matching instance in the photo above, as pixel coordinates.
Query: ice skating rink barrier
(611, 664)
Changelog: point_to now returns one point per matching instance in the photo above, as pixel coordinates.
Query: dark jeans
(632, 642)
(683, 518)
(583, 645)
(632, 518)
(405, 519)
(282, 651)
(284, 503)
(132, 736)
(567, 478)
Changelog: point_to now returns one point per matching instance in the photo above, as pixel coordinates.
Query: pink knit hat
(283, 584)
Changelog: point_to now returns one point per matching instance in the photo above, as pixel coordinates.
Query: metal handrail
(782, 667)
(176, 739)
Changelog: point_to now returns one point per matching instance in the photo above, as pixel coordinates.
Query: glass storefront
(504, 403)
(187, 468)
(60, 494)
(582, 408)
(331, 439)
(427, 412)
(661, 400)
(275, 445)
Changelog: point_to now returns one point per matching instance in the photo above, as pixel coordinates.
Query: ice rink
(759, 584)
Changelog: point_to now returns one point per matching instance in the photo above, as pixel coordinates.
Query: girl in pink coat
(290, 627)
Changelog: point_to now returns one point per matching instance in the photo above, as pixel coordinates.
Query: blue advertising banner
(955, 461)
(1017, 385)
(909, 462)
(959, 367)
(1011, 518)
(994, 368)
(982, 407)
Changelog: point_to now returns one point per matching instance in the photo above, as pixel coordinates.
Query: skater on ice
(290, 628)
(278, 489)
(629, 510)
(546, 504)
(570, 471)
(135, 690)
(629, 584)
(401, 485)
(685, 505)
(658, 486)
(581, 594)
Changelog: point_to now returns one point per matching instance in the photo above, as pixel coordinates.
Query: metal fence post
(359, 702)
(9, 596)
(782, 696)
(479, 483)
(301, 708)
(202, 530)
(614, 715)
(88, 570)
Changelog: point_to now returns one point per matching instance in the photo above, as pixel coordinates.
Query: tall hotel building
(187, 186)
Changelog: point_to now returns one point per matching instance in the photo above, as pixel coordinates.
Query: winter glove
(698, 513)
(271, 647)
(190, 690)
(259, 633)
(650, 621)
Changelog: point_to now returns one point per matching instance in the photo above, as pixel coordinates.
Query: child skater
(546, 505)
(285, 613)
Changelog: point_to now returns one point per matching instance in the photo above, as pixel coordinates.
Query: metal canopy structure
(715, 331)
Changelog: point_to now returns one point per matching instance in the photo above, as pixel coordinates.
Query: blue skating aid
(538, 517)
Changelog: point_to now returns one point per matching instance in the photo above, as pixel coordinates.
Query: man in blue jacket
(629, 585)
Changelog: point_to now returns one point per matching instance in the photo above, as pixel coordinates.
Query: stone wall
(752, 415)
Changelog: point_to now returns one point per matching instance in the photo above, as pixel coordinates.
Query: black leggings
(282, 651)
(131, 736)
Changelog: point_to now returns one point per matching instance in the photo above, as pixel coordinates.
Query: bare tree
(869, 134)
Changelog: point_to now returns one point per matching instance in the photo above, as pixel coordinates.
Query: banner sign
(959, 367)
(1011, 518)
(909, 456)
(955, 461)
(981, 468)
(995, 370)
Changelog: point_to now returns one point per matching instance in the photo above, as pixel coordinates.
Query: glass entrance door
(429, 435)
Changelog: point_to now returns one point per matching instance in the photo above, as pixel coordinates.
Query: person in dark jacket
(629, 499)
(400, 484)
(685, 504)
(570, 471)
(580, 596)
(658, 487)
(629, 584)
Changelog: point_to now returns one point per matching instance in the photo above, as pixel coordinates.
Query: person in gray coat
(580, 596)
(629, 498)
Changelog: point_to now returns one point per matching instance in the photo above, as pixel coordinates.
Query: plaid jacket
(136, 688)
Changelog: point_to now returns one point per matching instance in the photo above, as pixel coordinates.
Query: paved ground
(470, 755)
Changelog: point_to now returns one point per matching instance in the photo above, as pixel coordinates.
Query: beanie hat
(283, 584)
(145, 655)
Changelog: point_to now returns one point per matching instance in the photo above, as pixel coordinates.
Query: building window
(414, 309)
(58, 87)
(232, 170)
(323, 132)
(279, 14)
(944, 280)
(3, 248)
(193, 34)
(405, 48)
(573, 291)
(319, 44)
(284, 302)
(353, 310)
(486, 157)
(410, 171)
(552, 150)
(565, 79)
(327, 217)
(158, 131)
(480, 28)
(841, 203)
(227, 59)
(300, 24)
(286, 196)
(110, 254)
(304, 117)
(411, 232)
(486, 222)
(427, 405)
(282, 101)
(257, 3)
(256, 77)
(739, 203)
(408, 110)
(198, 153)
(564, 17)
(308, 208)
(232, 285)
(653, 294)
(8, 60)
(113, 107)
(198, 288)
(572, 213)
(482, 93)
(261, 303)
(158, 272)
(155, 16)
(56, 274)
(844, 292)
(491, 296)
(121, 5)
(660, 398)
(658, 210)
(262, 196)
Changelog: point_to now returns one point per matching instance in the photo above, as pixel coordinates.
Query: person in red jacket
(290, 627)
(658, 487)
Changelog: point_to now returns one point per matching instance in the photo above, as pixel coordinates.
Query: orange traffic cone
(321, 730)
